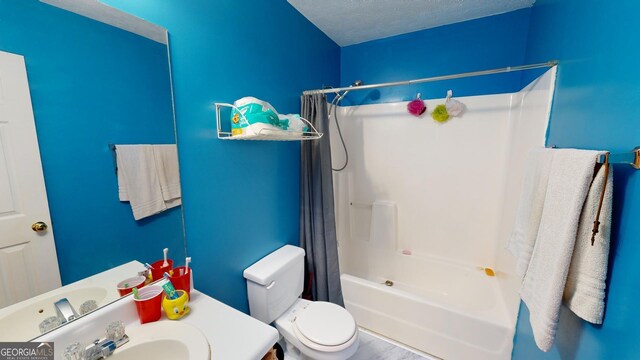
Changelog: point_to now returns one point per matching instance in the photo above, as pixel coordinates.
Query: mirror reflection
(89, 183)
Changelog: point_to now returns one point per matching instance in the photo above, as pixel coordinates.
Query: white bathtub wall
(531, 108)
(444, 178)
(527, 131)
(456, 185)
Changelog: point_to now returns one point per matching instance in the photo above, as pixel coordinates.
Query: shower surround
(423, 208)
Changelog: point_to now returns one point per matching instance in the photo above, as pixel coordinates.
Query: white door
(28, 260)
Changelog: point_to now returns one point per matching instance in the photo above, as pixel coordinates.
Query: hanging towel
(570, 176)
(166, 157)
(584, 291)
(529, 213)
(138, 180)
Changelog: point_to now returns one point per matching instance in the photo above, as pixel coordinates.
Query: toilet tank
(275, 282)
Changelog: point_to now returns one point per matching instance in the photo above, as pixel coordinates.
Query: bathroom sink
(164, 340)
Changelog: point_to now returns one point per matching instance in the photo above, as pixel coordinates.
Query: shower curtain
(317, 216)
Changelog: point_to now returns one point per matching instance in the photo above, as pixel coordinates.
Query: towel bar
(112, 147)
(632, 158)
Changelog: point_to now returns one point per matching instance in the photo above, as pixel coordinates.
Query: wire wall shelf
(265, 132)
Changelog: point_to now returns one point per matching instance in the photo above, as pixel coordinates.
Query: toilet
(311, 329)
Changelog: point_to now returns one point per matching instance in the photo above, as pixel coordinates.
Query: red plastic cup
(158, 270)
(149, 304)
(126, 286)
(181, 280)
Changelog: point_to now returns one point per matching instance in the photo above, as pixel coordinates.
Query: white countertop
(232, 334)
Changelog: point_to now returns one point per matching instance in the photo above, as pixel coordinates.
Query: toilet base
(290, 351)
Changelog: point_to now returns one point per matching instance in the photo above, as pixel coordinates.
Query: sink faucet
(65, 311)
(99, 349)
(103, 349)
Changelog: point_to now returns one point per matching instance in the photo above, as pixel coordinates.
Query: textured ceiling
(350, 22)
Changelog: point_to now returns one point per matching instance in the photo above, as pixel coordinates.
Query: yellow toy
(177, 308)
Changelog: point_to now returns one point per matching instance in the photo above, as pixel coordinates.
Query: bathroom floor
(373, 347)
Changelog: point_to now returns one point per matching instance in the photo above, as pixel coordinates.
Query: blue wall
(91, 85)
(593, 108)
(487, 43)
(598, 89)
(241, 198)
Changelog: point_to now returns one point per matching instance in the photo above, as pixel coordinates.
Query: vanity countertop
(232, 335)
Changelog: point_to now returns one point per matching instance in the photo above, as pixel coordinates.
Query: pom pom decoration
(440, 114)
(416, 107)
(454, 107)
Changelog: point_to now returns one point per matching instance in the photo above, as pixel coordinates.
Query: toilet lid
(324, 324)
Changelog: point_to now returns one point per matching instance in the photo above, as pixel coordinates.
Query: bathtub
(444, 309)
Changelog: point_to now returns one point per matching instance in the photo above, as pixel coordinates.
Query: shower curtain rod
(547, 64)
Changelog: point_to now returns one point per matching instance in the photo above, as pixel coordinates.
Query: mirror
(64, 233)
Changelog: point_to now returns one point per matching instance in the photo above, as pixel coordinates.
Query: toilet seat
(325, 327)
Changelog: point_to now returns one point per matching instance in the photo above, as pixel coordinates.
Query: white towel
(529, 214)
(138, 180)
(166, 157)
(584, 291)
(570, 176)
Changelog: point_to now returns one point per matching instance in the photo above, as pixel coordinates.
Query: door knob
(39, 226)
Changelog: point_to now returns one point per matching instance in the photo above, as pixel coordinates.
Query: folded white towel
(584, 291)
(138, 180)
(166, 157)
(529, 213)
(570, 176)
